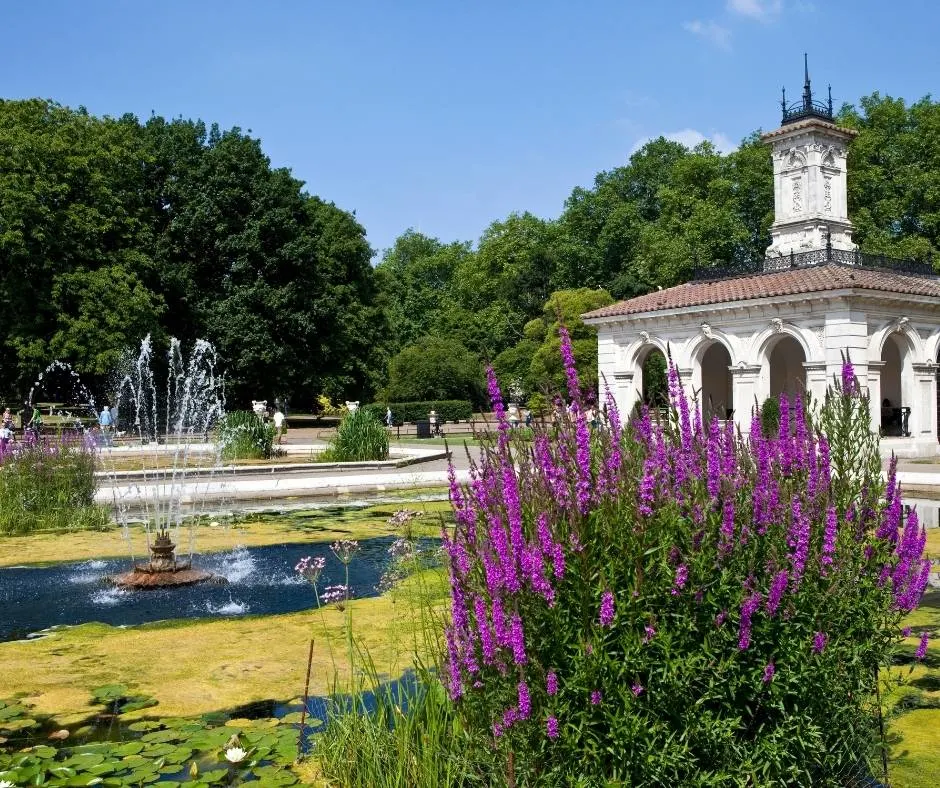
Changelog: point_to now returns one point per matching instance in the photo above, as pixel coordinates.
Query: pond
(260, 581)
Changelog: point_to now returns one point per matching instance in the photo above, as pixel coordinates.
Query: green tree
(71, 205)
(415, 278)
(894, 175)
(434, 368)
(534, 363)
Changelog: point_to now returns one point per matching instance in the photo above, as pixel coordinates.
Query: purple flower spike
(517, 640)
(748, 608)
(769, 670)
(525, 703)
(596, 697)
(551, 683)
(921, 648)
(820, 639)
(551, 728)
(607, 609)
(637, 689)
(777, 586)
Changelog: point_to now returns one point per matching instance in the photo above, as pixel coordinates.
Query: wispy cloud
(761, 10)
(711, 31)
(690, 138)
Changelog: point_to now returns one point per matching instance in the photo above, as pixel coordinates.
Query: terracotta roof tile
(794, 281)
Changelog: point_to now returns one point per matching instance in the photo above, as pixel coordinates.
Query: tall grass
(360, 438)
(49, 485)
(405, 734)
(408, 737)
(243, 435)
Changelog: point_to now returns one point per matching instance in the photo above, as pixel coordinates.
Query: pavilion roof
(794, 281)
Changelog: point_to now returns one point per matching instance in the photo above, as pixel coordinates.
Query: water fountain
(167, 424)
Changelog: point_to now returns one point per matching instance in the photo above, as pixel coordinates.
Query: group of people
(32, 426)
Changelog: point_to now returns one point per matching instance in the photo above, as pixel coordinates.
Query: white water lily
(232, 755)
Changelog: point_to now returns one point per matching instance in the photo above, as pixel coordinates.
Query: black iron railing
(810, 259)
(807, 109)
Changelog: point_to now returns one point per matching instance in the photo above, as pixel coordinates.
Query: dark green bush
(770, 416)
(245, 435)
(361, 437)
(409, 412)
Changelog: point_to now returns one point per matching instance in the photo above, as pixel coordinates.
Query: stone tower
(809, 155)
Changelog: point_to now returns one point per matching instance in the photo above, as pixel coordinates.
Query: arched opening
(655, 388)
(895, 413)
(787, 373)
(717, 396)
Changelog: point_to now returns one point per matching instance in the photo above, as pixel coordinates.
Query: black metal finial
(806, 108)
(807, 90)
(783, 100)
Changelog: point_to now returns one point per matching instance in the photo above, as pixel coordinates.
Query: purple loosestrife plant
(607, 609)
(782, 538)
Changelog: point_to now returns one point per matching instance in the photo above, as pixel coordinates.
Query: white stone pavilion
(785, 326)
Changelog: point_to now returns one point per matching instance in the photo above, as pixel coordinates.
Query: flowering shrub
(49, 484)
(672, 604)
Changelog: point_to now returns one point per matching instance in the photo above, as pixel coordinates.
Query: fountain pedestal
(163, 570)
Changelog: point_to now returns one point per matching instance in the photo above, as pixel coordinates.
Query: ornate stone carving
(827, 195)
(900, 325)
(707, 330)
(796, 159)
(797, 191)
(645, 337)
(776, 325)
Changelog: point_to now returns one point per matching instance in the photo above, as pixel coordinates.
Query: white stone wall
(822, 330)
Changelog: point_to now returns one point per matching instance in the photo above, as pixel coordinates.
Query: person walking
(389, 421)
(279, 424)
(106, 423)
(35, 422)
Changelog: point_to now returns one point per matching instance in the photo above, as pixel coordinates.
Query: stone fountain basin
(144, 577)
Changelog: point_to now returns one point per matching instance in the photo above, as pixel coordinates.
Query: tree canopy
(111, 228)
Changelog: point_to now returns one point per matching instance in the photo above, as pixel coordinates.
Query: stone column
(874, 393)
(625, 394)
(744, 383)
(923, 423)
(816, 380)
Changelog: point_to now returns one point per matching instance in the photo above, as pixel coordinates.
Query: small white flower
(6, 784)
(232, 755)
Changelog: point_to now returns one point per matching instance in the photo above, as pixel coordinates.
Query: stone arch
(640, 349)
(710, 356)
(784, 360)
(717, 386)
(807, 340)
(897, 357)
(901, 327)
(652, 391)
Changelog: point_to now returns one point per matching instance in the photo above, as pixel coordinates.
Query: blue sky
(446, 116)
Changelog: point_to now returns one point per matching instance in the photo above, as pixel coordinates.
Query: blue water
(261, 580)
